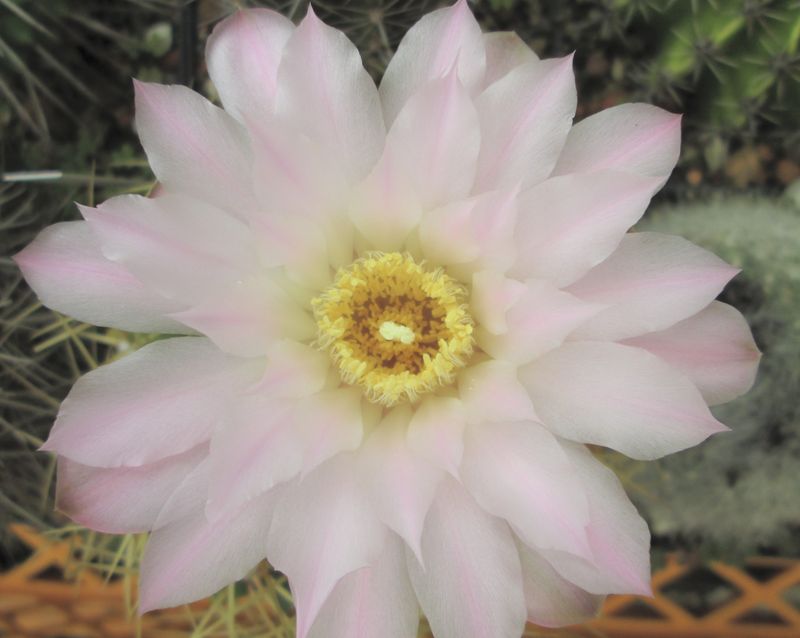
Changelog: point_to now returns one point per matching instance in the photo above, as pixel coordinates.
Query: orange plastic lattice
(762, 601)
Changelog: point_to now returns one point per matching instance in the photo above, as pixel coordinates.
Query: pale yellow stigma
(393, 327)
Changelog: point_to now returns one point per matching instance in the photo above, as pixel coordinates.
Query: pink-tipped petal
(492, 297)
(121, 500)
(436, 44)
(435, 140)
(635, 138)
(651, 282)
(192, 558)
(373, 601)
(257, 447)
(156, 402)
(618, 396)
(325, 92)
(505, 51)
(517, 471)
(69, 273)
(249, 316)
(323, 530)
(538, 102)
(537, 321)
(330, 422)
(194, 147)
(293, 370)
(242, 55)
(618, 536)
(400, 483)
(714, 348)
(165, 242)
(553, 601)
(490, 391)
(471, 585)
(568, 225)
(436, 432)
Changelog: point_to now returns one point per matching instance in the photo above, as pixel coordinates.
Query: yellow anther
(393, 327)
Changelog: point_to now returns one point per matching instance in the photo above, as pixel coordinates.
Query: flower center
(393, 327)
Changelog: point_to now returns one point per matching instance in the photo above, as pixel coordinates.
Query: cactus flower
(399, 315)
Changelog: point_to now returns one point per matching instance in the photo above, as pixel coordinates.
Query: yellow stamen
(393, 327)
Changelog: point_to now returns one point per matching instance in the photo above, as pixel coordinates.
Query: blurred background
(731, 66)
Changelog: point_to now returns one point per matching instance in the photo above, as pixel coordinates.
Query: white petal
(471, 586)
(249, 317)
(258, 447)
(192, 558)
(373, 601)
(401, 484)
(436, 432)
(714, 348)
(435, 141)
(617, 396)
(156, 402)
(517, 471)
(322, 530)
(650, 282)
(242, 55)
(293, 370)
(325, 92)
(121, 500)
(330, 422)
(567, 225)
(505, 51)
(165, 242)
(68, 272)
(553, 601)
(537, 101)
(491, 391)
(618, 536)
(492, 297)
(429, 50)
(537, 321)
(194, 147)
(636, 138)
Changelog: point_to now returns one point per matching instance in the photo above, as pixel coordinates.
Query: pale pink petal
(165, 242)
(505, 51)
(567, 225)
(471, 585)
(714, 348)
(293, 370)
(323, 529)
(192, 558)
(491, 391)
(121, 500)
(248, 317)
(400, 483)
(517, 471)
(472, 234)
(649, 283)
(551, 600)
(636, 138)
(435, 140)
(384, 207)
(618, 536)
(194, 147)
(618, 396)
(492, 297)
(436, 432)
(159, 401)
(537, 101)
(429, 50)
(374, 601)
(258, 447)
(68, 272)
(242, 55)
(330, 422)
(537, 321)
(325, 92)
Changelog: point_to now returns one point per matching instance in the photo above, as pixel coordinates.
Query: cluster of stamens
(393, 327)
